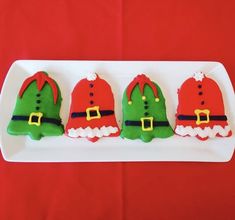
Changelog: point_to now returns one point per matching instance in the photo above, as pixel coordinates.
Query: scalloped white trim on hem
(203, 133)
(89, 132)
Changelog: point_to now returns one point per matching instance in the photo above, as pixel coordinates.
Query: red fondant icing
(87, 94)
(141, 80)
(41, 78)
(203, 94)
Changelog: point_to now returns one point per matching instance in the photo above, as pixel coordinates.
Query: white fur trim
(203, 133)
(91, 76)
(92, 132)
(198, 76)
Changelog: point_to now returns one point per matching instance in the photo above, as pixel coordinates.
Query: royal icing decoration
(37, 108)
(89, 132)
(144, 111)
(200, 112)
(91, 76)
(198, 76)
(203, 132)
(92, 113)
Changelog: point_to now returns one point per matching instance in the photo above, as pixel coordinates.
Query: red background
(117, 30)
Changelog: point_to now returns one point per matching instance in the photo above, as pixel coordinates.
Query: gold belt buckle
(204, 111)
(88, 113)
(35, 114)
(147, 119)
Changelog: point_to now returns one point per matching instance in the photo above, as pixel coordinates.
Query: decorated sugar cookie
(92, 110)
(37, 108)
(200, 111)
(144, 111)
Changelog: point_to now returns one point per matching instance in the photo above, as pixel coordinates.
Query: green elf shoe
(37, 108)
(144, 111)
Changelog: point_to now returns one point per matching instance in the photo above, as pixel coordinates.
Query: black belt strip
(147, 123)
(93, 113)
(43, 119)
(203, 117)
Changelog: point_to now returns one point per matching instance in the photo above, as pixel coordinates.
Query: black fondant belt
(147, 123)
(92, 113)
(36, 120)
(203, 117)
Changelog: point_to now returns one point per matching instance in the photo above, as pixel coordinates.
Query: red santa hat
(200, 111)
(92, 110)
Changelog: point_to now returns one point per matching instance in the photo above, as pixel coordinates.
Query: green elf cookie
(144, 111)
(37, 108)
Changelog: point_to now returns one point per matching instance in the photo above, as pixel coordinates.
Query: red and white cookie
(92, 110)
(200, 111)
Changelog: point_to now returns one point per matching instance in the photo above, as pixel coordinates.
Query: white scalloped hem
(89, 132)
(203, 133)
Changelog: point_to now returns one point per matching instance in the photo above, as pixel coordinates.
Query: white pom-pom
(198, 76)
(91, 76)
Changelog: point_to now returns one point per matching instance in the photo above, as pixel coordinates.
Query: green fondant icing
(136, 110)
(27, 104)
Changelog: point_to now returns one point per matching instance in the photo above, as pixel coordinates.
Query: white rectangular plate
(168, 75)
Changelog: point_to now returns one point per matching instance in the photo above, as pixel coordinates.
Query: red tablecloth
(117, 30)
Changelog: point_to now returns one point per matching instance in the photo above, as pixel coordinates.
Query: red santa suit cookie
(92, 110)
(200, 111)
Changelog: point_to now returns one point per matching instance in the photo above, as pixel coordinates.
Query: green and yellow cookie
(37, 109)
(144, 111)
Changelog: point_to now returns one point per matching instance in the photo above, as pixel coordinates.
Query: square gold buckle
(35, 114)
(92, 109)
(147, 119)
(204, 111)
